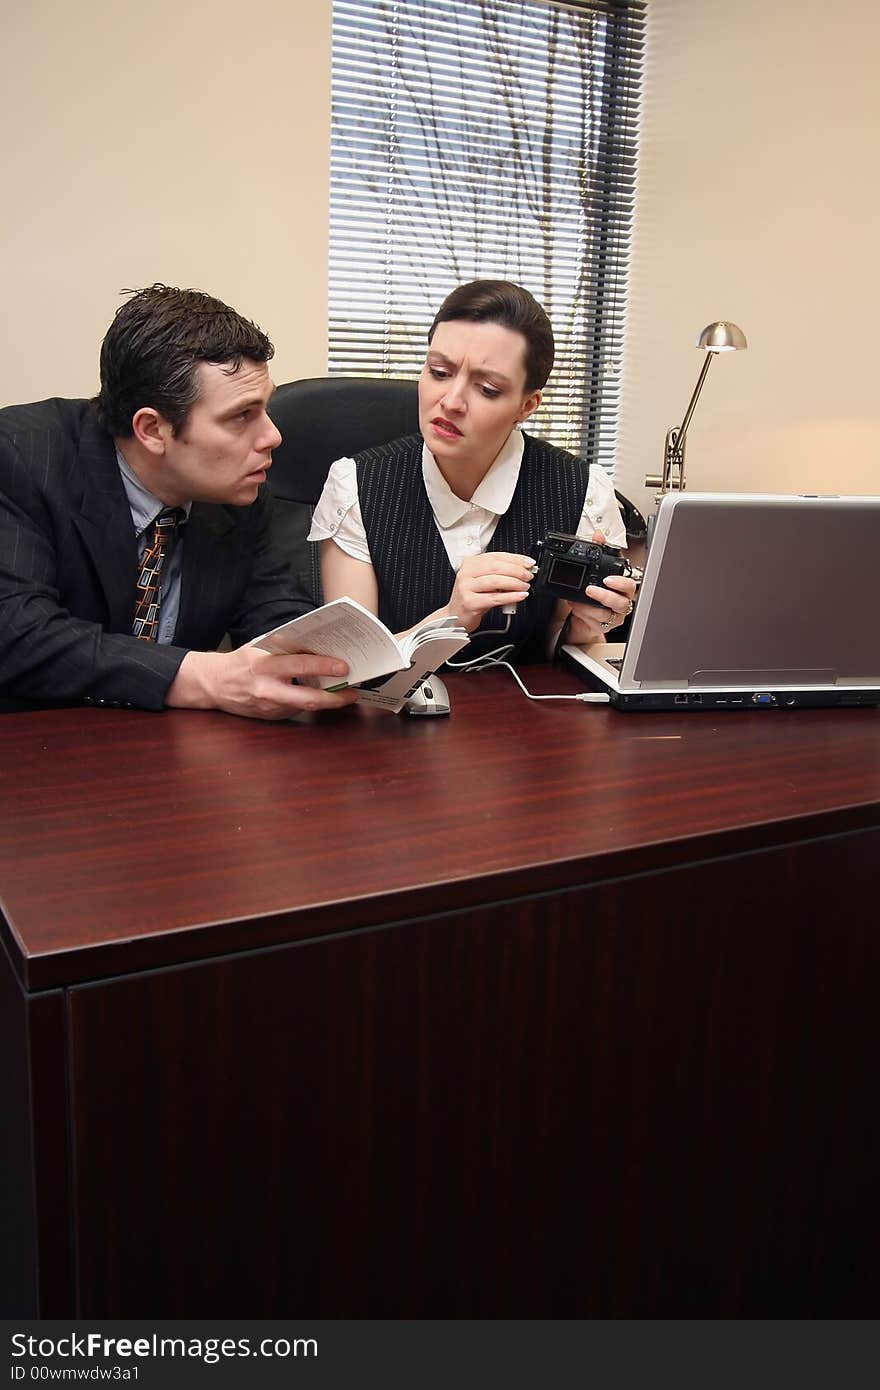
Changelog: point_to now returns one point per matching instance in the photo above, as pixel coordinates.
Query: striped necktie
(159, 544)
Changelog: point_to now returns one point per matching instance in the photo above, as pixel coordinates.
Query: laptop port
(736, 699)
(763, 697)
(681, 699)
(696, 699)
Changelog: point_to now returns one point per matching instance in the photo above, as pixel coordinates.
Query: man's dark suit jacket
(68, 562)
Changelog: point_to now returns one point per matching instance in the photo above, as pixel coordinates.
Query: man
(135, 529)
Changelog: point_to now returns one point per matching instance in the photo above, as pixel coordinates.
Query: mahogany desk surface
(132, 840)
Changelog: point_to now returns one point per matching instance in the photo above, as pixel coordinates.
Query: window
(486, 138)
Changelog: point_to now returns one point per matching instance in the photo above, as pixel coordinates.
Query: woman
(442, 522)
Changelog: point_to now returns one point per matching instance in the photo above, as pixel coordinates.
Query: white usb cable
(496, 658)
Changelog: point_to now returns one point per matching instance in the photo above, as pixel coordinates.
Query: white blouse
(466, 527)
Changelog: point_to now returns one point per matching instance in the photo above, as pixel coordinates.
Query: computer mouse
(431, 697)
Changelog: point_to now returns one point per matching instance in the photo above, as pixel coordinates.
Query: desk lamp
(715, 337)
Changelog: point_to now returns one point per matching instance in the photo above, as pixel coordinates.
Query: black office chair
(635, 524)
(325, 418)
(322, 419)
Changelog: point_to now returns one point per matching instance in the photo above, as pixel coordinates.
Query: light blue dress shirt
(144, 510)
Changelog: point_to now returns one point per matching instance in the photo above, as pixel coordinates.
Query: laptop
(750, 601)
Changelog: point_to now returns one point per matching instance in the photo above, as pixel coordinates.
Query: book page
(343, 629)
(428, 632)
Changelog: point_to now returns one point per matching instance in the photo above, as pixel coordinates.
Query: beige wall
(160, 141)
(153, 140)
(759, 201)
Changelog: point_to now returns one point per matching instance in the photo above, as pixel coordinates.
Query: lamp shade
(722, 337)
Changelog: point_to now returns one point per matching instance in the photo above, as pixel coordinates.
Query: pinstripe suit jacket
(68, 560)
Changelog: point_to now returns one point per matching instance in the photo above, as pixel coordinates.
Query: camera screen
(567, 573)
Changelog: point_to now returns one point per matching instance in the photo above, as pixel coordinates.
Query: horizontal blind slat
(486, 139)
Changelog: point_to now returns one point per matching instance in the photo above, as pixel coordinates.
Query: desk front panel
(653, 1096)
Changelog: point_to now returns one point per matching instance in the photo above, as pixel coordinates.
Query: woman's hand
(592, 624)
(490, 580)
(614, 598)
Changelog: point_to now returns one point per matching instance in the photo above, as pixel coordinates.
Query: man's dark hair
(500, 301)
(154, 345)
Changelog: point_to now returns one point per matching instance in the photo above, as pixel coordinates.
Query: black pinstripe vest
(410, 561)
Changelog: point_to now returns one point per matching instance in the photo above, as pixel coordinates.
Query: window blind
(483, 138)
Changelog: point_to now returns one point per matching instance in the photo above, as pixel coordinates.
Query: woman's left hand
(611, 604)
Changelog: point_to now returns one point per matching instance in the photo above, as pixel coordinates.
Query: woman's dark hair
(153, 346)
(500, 301)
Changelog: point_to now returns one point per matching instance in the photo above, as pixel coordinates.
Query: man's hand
(256, 684)
(486, 581)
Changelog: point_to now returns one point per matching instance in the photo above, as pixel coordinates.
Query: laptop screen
(740, 589)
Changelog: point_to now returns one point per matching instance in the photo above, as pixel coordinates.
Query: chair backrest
(636, 526)
(322, 419)
(325, 418)
(330, 417)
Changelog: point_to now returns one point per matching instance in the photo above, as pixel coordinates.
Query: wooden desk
(542, 1010)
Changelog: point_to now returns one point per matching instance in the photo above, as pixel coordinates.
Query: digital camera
(566, 565)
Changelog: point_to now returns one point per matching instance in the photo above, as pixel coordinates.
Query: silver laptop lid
(744, 589)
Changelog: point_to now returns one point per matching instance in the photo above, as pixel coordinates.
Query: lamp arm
(672, 476)
(682, 430)
(715, 337)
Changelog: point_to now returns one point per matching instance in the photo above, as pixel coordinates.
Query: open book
(384, 667)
